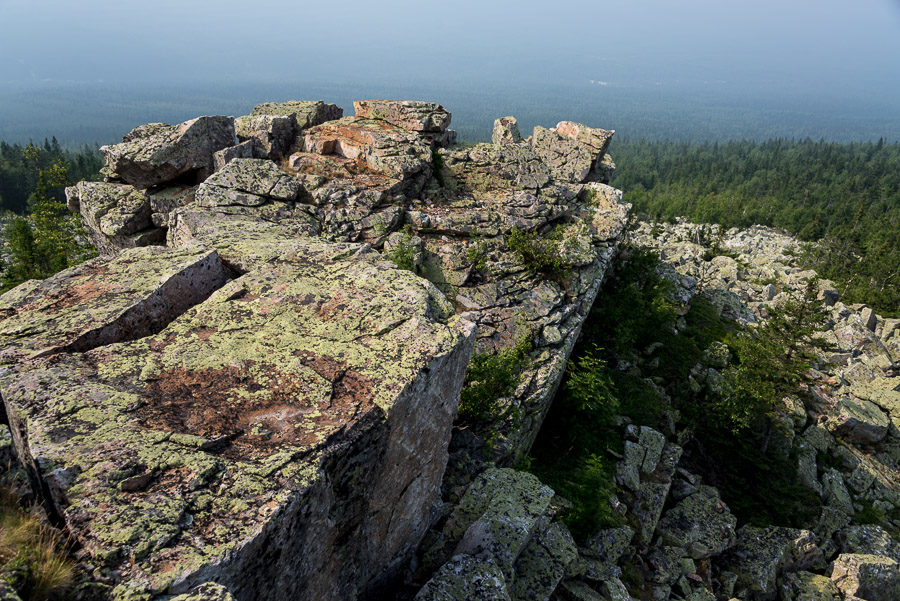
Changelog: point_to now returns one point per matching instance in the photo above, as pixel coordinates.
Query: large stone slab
(116, 216)
(247, 182)
(303, 113)
(496, 518)
(408, 114)
(157, 153)
(285, 438)
(101, 302)
(380, 145)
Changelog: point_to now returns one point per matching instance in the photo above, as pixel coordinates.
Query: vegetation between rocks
(32, 555)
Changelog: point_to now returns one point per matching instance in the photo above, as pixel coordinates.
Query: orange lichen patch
(86, 289)
(244, 418)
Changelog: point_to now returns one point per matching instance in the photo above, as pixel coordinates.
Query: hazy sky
(800, 43)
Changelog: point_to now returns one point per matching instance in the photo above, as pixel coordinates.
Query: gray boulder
(157, 153)
(869, 577)
(464, 577)
(411, 115)
(506, 131)
(701, 524)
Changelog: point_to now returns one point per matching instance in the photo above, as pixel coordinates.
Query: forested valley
(845, 197)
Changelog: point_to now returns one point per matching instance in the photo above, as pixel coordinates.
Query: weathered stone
(381, 146)
(303, 113)
(760, 554)
(464, 578)
(835, 492)
(248, 149)
(285, 459)
(701, 524)
(163, 202)
(158, 153)
(648, 502)
(653, 443)
(506, 131)
(101, 302)
(869, 577)
(206, 592)
(409, 114)
(247, 182)
(575, 590)
(496, 518)
(543, 564)
(567, 159)
(247, 241)
(116, 216)
(488, 169)
(806, 586)
(884, 392)
(611, 544)
(273, 134)
(596, 140)
(869, 539)
(868, 319)
(858, 421)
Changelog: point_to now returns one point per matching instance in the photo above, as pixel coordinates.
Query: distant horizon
(697, 70)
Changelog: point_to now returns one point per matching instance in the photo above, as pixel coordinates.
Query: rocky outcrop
(156, 153)
(266, 403)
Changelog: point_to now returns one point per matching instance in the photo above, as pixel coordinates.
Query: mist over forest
(694, 71)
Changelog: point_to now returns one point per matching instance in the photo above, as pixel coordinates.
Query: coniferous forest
(845, 197)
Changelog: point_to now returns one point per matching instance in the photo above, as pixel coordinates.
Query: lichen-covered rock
(759, 555)
(165, 201)
(100, 302)
(506, 131)
(246, 241)
(488, 169)
(497, 517)
(806, 586)
(303, 113)
(596, 140)
(158, 153)
(116, 216)
(610, 544)
(543, 564)
(285, 438)
(568, 160)
(869, 577)
(835, 492)
(381, 146)
(209, 591)
(273, 134)
(247, 182)
(868, 538)
(575, 590)
(248, 149)
(701, 524)
(858, 421)
(412, 115)
(464, 578)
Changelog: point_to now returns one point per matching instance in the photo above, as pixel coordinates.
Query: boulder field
(251, 393)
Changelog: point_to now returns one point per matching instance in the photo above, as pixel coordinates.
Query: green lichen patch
(100, 301)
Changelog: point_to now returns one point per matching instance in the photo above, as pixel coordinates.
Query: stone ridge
(286, 428)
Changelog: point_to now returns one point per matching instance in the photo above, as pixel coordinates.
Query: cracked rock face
(267, 402)
(298, 406)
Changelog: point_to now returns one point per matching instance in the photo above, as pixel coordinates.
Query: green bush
(539, 254)
(491, 377)
(403, 254)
